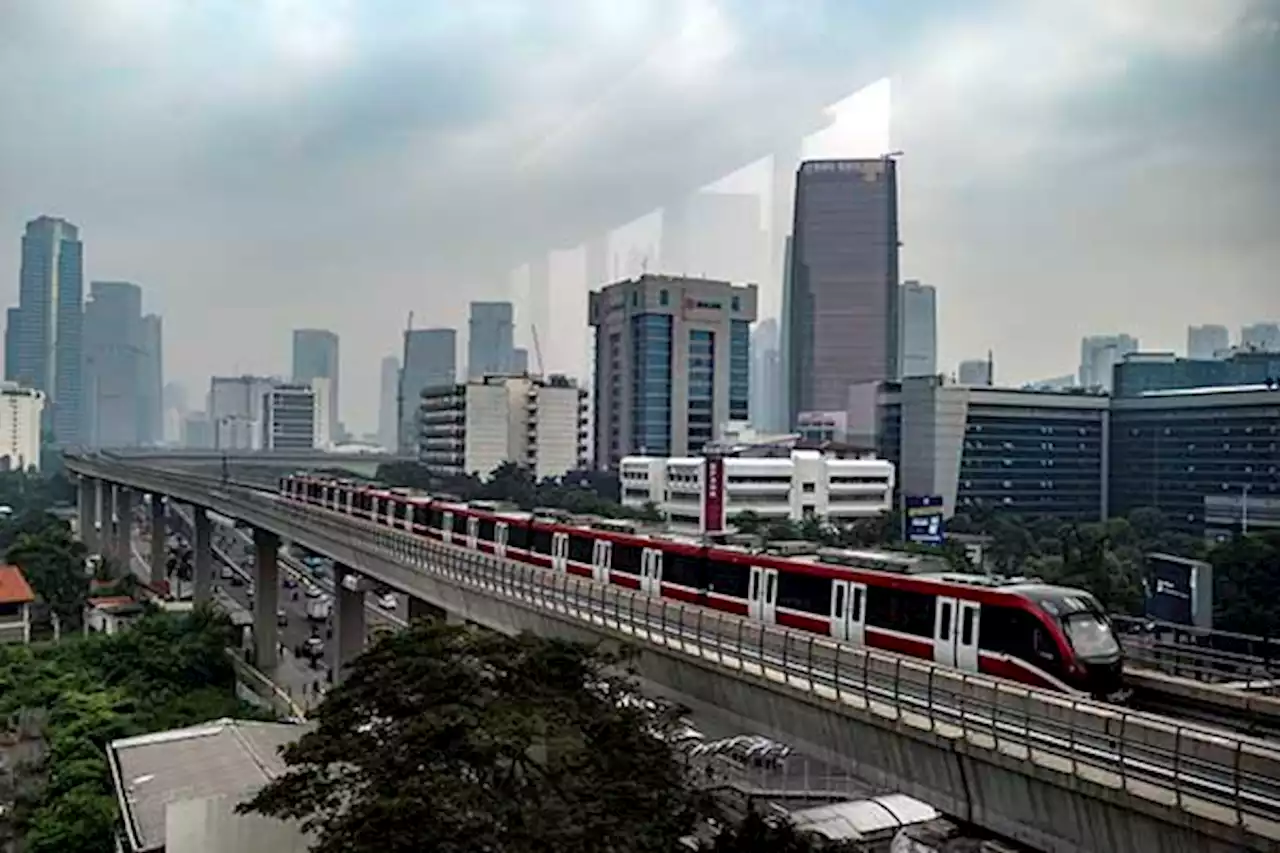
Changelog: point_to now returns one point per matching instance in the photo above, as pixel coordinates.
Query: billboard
(923, 519)
(1179, 590)
(713, 502)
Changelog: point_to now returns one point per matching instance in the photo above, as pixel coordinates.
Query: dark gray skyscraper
(843, 310)
(43, 346)
(315, 356)
(151, 382)
(430, 359)
(490, 348)
(388, 389)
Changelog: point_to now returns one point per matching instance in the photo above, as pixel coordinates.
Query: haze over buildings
(292, 201)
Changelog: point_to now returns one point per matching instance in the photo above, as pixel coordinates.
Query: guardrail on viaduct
(1055, 772)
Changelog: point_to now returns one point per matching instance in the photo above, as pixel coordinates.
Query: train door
(944, 631)
(651, 571)
(500, 538)
(849, 611)
(560, 551)
(446, 527)
(970, 612)
(762, 599)
(601, 559)
(473, 532)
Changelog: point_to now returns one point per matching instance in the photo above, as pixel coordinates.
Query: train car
(1045, 636)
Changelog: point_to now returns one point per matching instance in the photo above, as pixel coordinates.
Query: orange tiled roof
(14, 588)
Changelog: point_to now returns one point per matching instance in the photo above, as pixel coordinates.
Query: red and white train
(1046, 636)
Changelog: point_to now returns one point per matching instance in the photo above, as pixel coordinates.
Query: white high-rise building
(977, 372)
(1207, 342)
(1099, 354)
(918, 329)
(388, 386)
(474, 427)
(20, 413)
(295, 416)
(1260, 337)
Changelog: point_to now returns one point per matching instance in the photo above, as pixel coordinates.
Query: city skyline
(985, 211)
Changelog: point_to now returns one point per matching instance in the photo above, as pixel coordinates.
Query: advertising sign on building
(924, 519)
(713, 503)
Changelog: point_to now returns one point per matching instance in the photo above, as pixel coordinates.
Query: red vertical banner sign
(713, 503)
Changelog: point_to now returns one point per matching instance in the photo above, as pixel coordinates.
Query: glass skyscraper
(842, 313)
(315, 356)
(673, 364)
(490, 345)
(43, 342)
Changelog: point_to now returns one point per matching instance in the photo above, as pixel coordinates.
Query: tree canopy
(53, 561)
(166, 672)
(454, 739)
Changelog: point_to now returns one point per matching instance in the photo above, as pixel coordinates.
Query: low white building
(20, 410)
(474, 427)
(296, 416)
(804, 483)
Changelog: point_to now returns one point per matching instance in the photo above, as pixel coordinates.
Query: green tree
(54, 564)
(1246, 582)
(448, 738)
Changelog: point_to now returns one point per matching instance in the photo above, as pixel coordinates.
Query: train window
(517, 535)
(1015, 632)
(900, 610)
(728, 579)
(626, 558)
(807, 593)
(684, 570)
(966, 627)
(945, 627)
(541, 542)
(855, 608)
(420, 516)
(435, 518)
(582, 548)
(459, 523)
(839, 602)
(486, 530)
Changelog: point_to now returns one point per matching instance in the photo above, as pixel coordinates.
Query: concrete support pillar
(159, 538)
(348, 618)
(419, 610)
(266, 584)
(87, 507)
(203, 557)
(124, 527)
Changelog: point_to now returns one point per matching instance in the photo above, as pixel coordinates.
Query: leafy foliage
(166, 672)
(53, 562)
(1246, 580)
(448, 738)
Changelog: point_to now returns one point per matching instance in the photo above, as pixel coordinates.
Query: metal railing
(1232, 779)
(1198, 653)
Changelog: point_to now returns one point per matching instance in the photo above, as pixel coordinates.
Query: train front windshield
(1086, 626)
(1090, 635)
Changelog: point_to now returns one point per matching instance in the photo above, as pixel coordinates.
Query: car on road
(312, 647)
(388, 601)
(282, 618)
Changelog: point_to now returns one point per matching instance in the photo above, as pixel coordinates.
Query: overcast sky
(257, 165)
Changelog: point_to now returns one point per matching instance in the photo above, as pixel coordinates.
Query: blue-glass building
(673, 364)
(1143, 372)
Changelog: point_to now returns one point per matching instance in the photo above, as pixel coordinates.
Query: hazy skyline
(1071, 169)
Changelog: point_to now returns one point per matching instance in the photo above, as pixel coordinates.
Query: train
(1045, 636)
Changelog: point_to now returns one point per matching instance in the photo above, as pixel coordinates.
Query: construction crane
(537, 350)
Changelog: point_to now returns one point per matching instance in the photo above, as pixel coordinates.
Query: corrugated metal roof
(861, 818)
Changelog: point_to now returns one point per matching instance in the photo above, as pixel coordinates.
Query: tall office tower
(151, 382)
(490, 348)
(43, 344)
(1207, 342)
(174, 401)
(1260, 337)
(673, 364)
(784, 337)
(768, 409)
(315, 355)
(978, 372)
(918, 330)
(844, 281)
(1099, 354)
(430, 359)
(519, 360)
(389, 382)
(113, 365)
